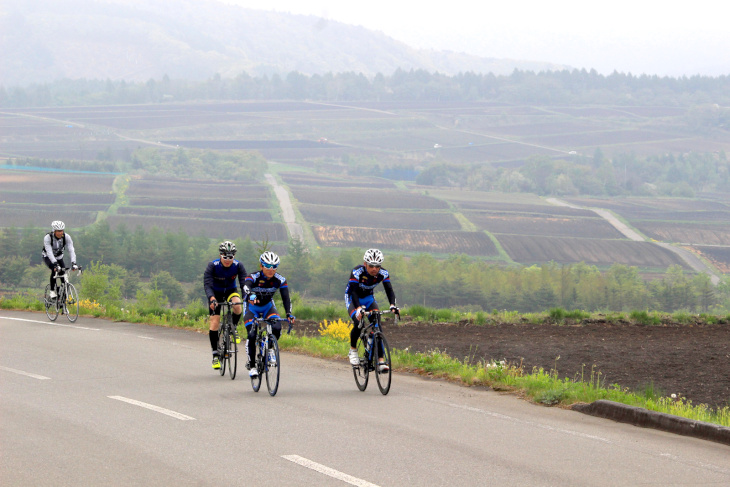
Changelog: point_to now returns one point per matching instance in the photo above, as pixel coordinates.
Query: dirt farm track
(688, 359)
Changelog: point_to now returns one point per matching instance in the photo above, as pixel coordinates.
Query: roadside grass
(538, 385)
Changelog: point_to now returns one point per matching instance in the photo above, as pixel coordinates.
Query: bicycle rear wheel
(232, 354)
(361, 371)
(71, 303)
(273, 368)
(382, 351)
(50, 304)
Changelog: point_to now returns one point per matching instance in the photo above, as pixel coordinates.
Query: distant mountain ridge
(47, 40)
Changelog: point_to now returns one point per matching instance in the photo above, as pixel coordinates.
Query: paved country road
(101, 403)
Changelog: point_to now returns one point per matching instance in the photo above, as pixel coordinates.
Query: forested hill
(135, 40)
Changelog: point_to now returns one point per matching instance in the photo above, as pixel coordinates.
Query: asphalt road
(101, 403)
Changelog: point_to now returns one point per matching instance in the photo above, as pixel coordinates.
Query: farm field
(216, 229)
(325, 137)
(218, 209)
(439, 242)
(368, 198)
(306, 179)
(222, 214)
(564, 250)
(671, 220)
(718, 255)
(686, 233)
(514, 224)
(350, 216)
(33, 198)
(290, 131)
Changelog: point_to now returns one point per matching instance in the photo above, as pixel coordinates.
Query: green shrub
(557, 314)
(644, 318)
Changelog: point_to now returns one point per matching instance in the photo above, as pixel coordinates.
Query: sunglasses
(270, 266)
(376, 266)
(227, 257)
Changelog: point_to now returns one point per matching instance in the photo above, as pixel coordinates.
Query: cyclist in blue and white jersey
(54, 244)
(219, 280)
(359, 296)
(261, 286)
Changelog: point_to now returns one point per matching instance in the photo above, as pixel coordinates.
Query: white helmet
(373, 257)
(58, 225)
(269, 259)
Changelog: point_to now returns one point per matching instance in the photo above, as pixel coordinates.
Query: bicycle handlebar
(64, 269)
(273, 321)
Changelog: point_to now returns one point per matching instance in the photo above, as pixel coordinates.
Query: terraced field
(36, 198)
(701, 224)
(218, 209)
(470, 243)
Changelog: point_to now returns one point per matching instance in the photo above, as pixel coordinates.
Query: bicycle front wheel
(260, 358)
(232, 354)
(362, 370)
(383, 365)
(272, 366)
(222, 349)
(71, 303)
(50, 304)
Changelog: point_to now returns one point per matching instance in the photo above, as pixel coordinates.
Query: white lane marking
(50, 323)
(158, 409)
(145, 338)
(20, 372)
(328, 471)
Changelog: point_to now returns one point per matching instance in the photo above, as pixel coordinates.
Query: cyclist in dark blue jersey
(260, 287)
(219, 281)
(359, 296)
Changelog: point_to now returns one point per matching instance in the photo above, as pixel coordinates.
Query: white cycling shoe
(354, 359)
(253, 373)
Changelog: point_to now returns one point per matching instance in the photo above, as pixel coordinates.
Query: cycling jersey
(264, 288)
(218, 278)
(362, 284)
(53, 247)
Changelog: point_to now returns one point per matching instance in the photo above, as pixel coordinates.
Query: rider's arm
(284, 291)
(246, 287)
(241, 275)
(70, 247)
(351, 290)
(208, 281)
(388, 287)
(49, 248)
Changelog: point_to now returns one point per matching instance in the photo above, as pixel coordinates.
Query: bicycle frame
(266, 342)
(373, 352)
(227, 339)
(369, 330)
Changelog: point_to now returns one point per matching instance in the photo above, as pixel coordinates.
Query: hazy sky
(640, 36)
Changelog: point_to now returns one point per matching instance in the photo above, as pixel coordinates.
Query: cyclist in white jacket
(54, 244)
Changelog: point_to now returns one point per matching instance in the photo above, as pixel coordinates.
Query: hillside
(45, 40)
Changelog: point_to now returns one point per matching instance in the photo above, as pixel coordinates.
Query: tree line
(676, 175)
(544, 87)
(125, 258)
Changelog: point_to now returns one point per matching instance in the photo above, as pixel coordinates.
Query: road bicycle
(374, 353)
(266, 360)
(67, 299)
(228, 340)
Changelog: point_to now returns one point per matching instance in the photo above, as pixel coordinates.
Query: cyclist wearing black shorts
(54, 244)
(260, 287)
(359, 296)
(219, 281)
